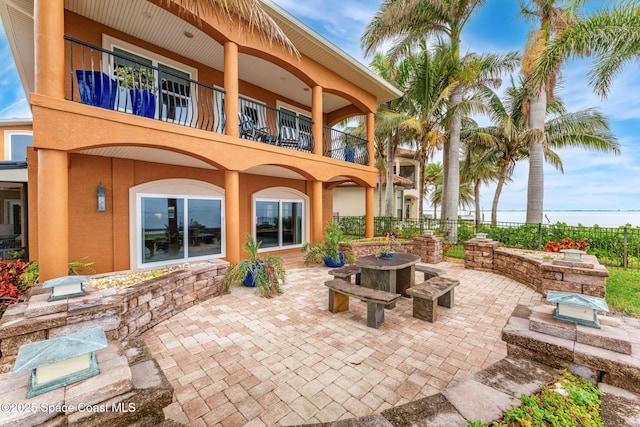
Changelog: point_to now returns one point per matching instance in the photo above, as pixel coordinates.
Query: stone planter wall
(429, 248)
(478, 254)
(588, 277)
(122, 313)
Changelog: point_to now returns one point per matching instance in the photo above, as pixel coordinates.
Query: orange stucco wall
(103, 237)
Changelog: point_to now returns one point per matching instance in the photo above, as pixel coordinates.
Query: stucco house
(164, 136)
(349, 199)
(16, 135)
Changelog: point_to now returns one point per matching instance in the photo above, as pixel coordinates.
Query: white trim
(280, 104)
(109, 42)
(8, 142)
(281, 194)
(171, 188)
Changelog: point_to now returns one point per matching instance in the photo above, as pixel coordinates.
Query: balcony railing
(259, 122)
(119, 82)
(127, 83)
(343, 146)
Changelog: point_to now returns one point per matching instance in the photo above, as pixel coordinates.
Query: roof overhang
(17, 18)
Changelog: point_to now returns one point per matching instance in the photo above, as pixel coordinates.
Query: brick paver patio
(245, 360)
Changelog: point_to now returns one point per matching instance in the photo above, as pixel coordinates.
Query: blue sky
(590, 181)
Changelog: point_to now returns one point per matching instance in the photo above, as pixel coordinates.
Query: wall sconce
(102, 199)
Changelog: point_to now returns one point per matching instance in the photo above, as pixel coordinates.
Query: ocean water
(586, 218)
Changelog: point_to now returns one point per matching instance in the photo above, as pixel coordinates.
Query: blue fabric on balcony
(96, 88)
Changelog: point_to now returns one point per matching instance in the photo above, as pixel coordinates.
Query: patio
(241, 359)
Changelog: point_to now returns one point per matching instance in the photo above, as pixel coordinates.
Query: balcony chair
(250, 130)
(289, 137)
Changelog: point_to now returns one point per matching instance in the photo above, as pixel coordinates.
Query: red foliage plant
(12, 285)
(567, 243)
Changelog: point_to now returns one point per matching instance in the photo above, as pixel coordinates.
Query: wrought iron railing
(259, 122)
(343, 146)
(614, 247)
(125, 83)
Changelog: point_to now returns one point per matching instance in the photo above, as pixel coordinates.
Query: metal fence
(614, 247)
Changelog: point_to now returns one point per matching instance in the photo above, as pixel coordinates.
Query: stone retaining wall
(587, 277)
(428, 248)
(121, 313)
(609, 355)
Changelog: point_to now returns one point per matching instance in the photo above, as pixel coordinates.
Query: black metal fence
(614, 247)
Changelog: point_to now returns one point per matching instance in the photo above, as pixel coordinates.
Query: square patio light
(60, 361)
(66, 287)
(573, 255)
(481, 236)
(577, 308)
(428, 233)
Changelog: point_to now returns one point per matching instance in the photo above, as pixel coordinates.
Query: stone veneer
(610, 355)
(126, 376)
(587, 277)
(429, 248)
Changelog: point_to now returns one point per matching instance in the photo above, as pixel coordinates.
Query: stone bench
(429, 272)
(346, 272)
(428, 295)
(340, 291)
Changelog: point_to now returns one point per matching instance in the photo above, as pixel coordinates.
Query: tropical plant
(612, 37)
(331, 246)
(136, 77)
(267, 271)
(251, 11)
(508, 140)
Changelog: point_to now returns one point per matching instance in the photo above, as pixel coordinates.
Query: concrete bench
(340, 291)
(429, 272)
(428, 295)
(346, 272)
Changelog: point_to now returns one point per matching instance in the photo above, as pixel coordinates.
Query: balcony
(343, 146)
(132, 85)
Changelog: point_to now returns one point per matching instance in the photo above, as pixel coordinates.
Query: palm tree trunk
(476, 197)
(496, 196)
(380, 193)
(421, 182)
(451, 190)
(535, 187)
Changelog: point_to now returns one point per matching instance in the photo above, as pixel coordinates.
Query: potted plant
(140, 82)
(331, 250)
(389, 249)
(265, 273)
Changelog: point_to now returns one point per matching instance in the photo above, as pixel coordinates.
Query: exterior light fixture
(66, 287)
(428, 233)
(573, 255)
(102, 199)
(60, 361)
(481, 236)
(188, 34)
(577, 308)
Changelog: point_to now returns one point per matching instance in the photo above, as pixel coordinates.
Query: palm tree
(250, 11)
(511, 139)
(387, 118)
(553, 20)
(433, 174)
(613, 37)
(407, 23)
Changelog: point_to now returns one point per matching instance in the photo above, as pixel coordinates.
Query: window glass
(19, 143)
(205, 227)
(279, 223)
(267, 223)
(162, 227)
(291, 223)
